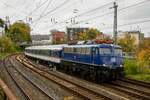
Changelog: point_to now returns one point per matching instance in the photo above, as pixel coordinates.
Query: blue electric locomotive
(94, 62)
(100, 62)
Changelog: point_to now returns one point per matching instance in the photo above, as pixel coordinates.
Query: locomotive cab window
(105, 51)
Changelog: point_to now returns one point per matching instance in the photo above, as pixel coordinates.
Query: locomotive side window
(104, 51)
(88, 50)
(118, 52)
(83, 51)
(78, 50)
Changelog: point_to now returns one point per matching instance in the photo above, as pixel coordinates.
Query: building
(136, 34)
(58, 37)
(41, 39)
(72, 33)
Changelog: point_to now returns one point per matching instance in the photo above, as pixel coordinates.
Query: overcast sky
(132, 15)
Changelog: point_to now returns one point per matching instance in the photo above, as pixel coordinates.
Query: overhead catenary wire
(95, 17)
(34, 10)
(79, 15)
(59, 6)
(112, 11)
(45, 9)
(131, 23)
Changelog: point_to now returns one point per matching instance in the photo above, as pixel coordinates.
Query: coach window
(75, 50)
(80, 50)
(71, 50)
(83, 50)
(65, 50)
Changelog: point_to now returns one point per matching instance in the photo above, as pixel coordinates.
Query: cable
(47, 7)
(45, 10)
(59, 6)
(126, 24)
(37, 7)
(144, 21)
(7, 5)
(87, 12)
(112, 12)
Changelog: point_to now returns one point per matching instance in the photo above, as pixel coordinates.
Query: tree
(127, 43)
(92, 33)
(143, 53)
(19, 32)
(6, 45)
(144, 44)
(1, 23)
(83, 36)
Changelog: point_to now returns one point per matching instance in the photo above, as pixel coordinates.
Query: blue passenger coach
(49, 55)
(94, 62)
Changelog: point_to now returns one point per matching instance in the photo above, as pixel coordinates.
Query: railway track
(136, 82)
(104, 94)
(80, 90)
(18, 88)
(129, 90)
(132, 88)
(26, 86)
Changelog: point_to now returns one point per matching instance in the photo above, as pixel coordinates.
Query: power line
(109, 12)
(86, 12)
(38, 7)
(59, 6)
(138, 22)
(8, 5)
(45, 10)
(34, 10)
(112, 12)
(47, 7)
(132, 23)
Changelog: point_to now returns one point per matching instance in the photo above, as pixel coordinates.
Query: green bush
(133, 67)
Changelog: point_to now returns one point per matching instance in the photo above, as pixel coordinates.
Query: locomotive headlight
(121, 65)
(104, 64)
(113, 59)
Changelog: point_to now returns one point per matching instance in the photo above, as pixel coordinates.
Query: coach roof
(46, 47)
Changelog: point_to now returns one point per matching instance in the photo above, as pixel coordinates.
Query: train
(94, 62)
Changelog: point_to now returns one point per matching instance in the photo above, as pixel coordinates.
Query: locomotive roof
(95, 45)
(46, 47)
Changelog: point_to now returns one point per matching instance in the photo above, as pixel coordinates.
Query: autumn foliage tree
(89, 34)
(6, 45)
(19, 32)
(127, 43)
(143, 53)
(92, 33)
(83, 36)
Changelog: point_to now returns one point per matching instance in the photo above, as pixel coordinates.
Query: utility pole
(115, 23)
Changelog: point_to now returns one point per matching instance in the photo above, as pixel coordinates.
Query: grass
(135, 70)
(140, 77)
(3, 55)
(1, 94)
